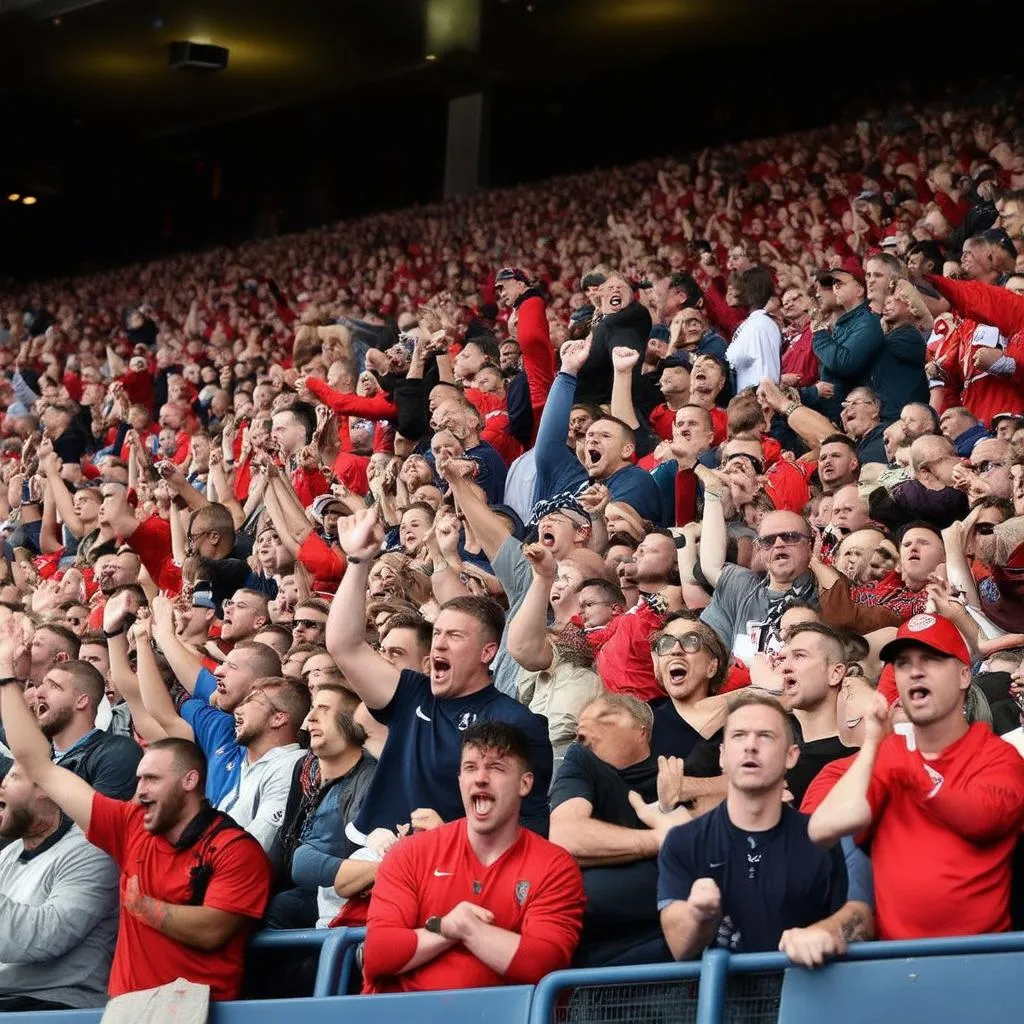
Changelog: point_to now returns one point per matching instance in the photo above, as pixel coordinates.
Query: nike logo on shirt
(419, 714)
(442, 874)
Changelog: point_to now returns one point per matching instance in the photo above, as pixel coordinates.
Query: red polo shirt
(240, 884)
(534, 888)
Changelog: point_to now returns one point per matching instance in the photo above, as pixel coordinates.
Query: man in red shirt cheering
(943, 810)
(480, 901)
(192, 882)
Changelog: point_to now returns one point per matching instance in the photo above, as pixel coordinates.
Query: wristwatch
(433, 924)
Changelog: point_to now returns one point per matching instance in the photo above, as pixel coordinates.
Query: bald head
(932, 459)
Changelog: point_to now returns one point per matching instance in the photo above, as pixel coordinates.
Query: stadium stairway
(932, 981)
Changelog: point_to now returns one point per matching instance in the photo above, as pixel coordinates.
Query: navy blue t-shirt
(770, 881)
(419, 765)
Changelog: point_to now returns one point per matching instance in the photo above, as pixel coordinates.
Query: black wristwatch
(433, 924)
(116, 632)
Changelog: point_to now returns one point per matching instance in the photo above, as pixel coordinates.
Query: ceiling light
(13, 197)
(29, 200)
(431, 56)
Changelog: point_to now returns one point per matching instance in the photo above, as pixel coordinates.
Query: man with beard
(746, 876)
(327, 789)
(58, 915)
(267, 724)
(944, 812)
(112, 570)
(66, 700)
(838, 463)
(213, 726)
(193, 884)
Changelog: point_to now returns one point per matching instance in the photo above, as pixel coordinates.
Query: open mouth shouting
(482, 803)
(918, 695)
(547, 538)
(440, 670)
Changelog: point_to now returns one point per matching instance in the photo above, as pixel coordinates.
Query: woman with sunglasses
(690, 664)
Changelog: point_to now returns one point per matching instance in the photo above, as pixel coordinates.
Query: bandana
(566, 504)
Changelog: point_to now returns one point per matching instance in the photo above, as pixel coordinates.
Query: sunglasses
(788, 537)
(691, 643)
(306, 623)
(985, 529)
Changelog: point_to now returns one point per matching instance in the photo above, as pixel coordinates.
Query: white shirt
(259, 800)
(755, 351)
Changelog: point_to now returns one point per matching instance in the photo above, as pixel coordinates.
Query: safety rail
(933, 981)
(337, 953)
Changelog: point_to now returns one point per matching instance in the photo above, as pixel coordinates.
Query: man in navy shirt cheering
(416, 781)
(746, 876)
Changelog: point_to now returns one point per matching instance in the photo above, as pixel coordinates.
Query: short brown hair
(487, 612)
(748, 697)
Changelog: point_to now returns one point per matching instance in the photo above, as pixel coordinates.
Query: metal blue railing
(337, 953)
(718, 967)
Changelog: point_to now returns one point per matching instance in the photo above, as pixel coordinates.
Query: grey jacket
(58, 919)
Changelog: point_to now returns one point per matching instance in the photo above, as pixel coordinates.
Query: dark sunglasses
(985, 529)
(788, 537)
(306, 623)
(691, 643)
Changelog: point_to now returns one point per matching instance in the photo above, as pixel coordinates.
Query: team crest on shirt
(522, 891)
(467, 719)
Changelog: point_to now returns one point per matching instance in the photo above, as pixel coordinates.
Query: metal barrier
(726, 988)
(337, 948)
(651, 993)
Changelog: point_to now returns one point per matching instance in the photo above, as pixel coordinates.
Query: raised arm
(713, 535)
(49, 464)
(185, 665)
(30, 747)
(846, 810)
(491, 530)
(374, 679)
(528, 640)
(623, 361)
(156, 700)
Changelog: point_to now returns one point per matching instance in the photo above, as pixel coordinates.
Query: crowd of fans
(586, 573)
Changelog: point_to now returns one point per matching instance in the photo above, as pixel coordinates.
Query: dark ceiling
(332, 107)
(103, 63)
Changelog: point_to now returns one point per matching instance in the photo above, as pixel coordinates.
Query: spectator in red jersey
(942, 808)
(799, 363)
(175, 922)
(480, 901)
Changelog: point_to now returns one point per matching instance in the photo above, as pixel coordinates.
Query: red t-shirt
(822, 783)
(534, 888)
(240, 884)
(941, 843)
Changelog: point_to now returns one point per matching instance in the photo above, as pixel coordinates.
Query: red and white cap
(931, 631)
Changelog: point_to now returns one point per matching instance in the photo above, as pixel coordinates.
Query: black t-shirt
(673, 736)
(770, 881)
(621, 914)
(813, 757)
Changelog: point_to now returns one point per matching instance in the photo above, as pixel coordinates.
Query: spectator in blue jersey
(607, 450)
(214, 727)
(426, 714)
(746, 876)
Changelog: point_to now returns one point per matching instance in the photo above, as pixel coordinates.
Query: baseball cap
(850, 265)
(512, 274)
(932, 631)
(675, 359)
(592, 279)
(1001, 238)
(1019, 417)
(323, 502)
